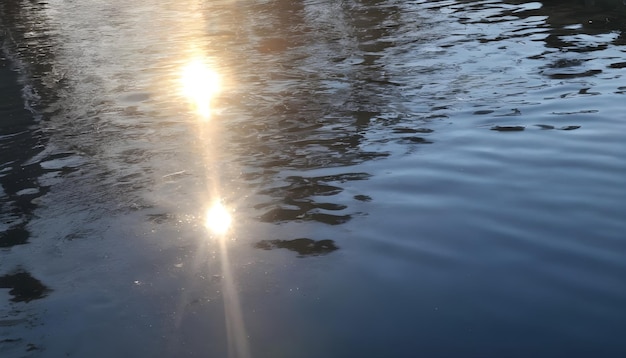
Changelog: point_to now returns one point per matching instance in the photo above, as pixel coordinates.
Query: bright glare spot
(218, 219)
(200, 84)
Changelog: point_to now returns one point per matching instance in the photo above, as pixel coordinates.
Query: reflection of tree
(594, 17)
(612, 5)
(303, 246)
(24, 39)
(375, 23)
(27, 35)
(570, 26)
(24, 287)
(569, 21)
(315, 89)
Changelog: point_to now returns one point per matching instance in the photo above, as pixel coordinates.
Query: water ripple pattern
(401, 178)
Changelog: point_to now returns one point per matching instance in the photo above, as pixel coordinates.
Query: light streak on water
(238, 346)
(200, 83)
(218, 221)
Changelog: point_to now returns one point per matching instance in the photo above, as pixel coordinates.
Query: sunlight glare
(218, 219)
(200, 84)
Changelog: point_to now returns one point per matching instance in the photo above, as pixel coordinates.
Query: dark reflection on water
(303, 246)
(25, 55)
(23, 287)
(16, 235)
(18, 143)
(295, 201)
(570, 22)
(25, 89)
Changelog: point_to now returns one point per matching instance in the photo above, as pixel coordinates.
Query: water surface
(427, 178)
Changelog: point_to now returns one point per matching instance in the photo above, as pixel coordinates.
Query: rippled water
(426, 178)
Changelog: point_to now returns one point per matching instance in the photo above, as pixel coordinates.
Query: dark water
(405, 179)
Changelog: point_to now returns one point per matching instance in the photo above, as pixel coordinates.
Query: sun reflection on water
(200, 84)
(218, 220)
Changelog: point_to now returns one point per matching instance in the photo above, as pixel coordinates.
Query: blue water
(406, 179)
